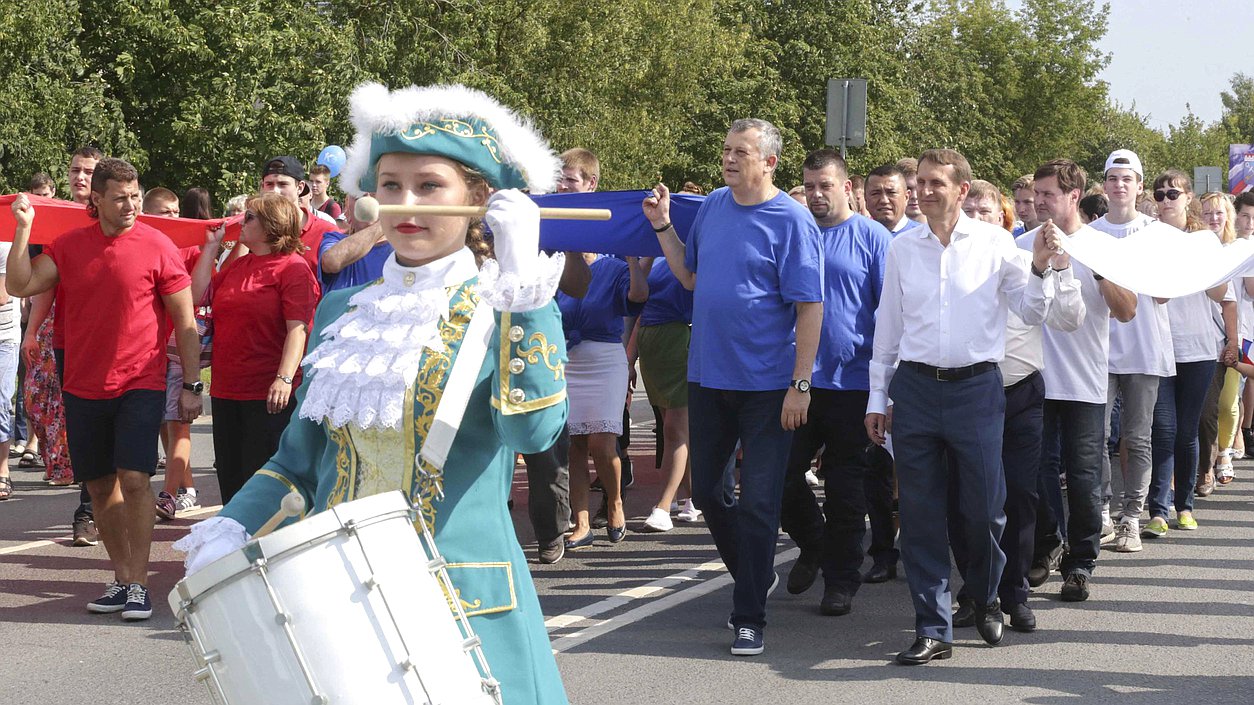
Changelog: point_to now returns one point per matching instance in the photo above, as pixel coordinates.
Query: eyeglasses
(1168, 195)
(250, 216)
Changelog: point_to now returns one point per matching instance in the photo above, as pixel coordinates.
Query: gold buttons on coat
(516, 366)
(517, 396)
(516, 333)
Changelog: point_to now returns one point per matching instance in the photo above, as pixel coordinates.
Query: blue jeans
(934, 421)
(745, 529)
(1174, 437)
(1081, 427)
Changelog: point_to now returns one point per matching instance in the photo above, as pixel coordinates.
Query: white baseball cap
(1124, 159)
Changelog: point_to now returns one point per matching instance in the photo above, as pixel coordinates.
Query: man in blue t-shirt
(755, 330)
(855, 249)
(348, 260)
(353, 257)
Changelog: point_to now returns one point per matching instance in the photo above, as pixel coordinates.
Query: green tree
(214, 89)
(53, 101)
(1238, 111)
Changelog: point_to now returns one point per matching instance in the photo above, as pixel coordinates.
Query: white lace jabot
(368, 358)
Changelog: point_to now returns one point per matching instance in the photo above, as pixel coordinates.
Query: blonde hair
(1229, 231)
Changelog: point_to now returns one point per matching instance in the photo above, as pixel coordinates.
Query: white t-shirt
(1076, 362)
(1197, 330)
(10, 312)
(1245, 310)
(1142, 346)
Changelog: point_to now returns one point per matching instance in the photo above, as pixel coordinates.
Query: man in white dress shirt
(1076, 368)
(942, 315)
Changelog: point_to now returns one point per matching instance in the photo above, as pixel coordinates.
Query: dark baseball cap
(286, 166)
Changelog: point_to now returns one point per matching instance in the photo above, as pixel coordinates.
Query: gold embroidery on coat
(542, 350)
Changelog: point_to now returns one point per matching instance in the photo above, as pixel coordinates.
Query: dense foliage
(198, 94)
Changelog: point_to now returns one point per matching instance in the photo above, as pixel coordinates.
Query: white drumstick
(292, 505)
(367, 210)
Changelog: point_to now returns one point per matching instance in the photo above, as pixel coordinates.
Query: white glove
(210, 540)
(515, 222)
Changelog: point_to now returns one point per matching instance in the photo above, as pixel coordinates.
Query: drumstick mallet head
(293, 504)
(366, 209)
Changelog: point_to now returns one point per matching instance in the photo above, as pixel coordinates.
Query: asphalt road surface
(643, 621)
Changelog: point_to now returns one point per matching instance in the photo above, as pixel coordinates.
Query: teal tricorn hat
(451, 121)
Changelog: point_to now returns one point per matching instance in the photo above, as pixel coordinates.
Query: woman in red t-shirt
(263, 304)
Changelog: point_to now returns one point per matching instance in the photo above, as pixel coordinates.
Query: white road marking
(68, 539)
(673, 599)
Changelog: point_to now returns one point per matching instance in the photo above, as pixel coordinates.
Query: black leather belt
(951, 374)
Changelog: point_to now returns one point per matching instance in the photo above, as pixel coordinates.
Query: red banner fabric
(54, 217)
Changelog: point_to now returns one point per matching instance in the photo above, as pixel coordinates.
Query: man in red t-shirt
(82, 166)
(286, 176)
(116, 282)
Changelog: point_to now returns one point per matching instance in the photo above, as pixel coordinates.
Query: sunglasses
(250, 216)
(1168, 195)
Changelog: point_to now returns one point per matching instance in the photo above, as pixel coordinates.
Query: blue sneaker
(113, 599)
(748, 642)
(138, 603)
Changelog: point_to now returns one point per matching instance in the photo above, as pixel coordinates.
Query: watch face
(802, 385)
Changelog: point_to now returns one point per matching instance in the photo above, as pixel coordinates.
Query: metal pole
(844, 123)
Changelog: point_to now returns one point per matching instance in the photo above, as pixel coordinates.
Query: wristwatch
(196, 387)
(801, 385)
(285, 378)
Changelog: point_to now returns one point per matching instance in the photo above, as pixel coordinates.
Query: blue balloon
(332, 157)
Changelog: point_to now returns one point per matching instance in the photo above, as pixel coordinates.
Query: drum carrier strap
(461, 382)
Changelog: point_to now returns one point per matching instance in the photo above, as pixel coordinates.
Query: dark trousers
(548, 490)
(1051, 515)
(879, 484)
(245, 436)
(1021, 463)
(965, 419)
(1081, 430)
(833, 534)
(1174, 437)
(84, 499)
(745, 528)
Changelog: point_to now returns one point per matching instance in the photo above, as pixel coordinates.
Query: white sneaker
(687, 512)
(813, 480)
(659, 520)
(674, 507)
(1128, 537)
(186, 500)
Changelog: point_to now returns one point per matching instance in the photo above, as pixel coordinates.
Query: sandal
(6, 488)
(30, 460)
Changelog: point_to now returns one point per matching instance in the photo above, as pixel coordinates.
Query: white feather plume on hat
(376, 110)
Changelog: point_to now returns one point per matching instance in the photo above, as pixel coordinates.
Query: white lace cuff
(516, 293)
(210, 540)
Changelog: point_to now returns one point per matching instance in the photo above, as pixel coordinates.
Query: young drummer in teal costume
(380, 355)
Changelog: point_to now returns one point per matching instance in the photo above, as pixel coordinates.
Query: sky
(1167, 56)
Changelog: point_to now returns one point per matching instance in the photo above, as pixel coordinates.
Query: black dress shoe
(923, 650)
(988, 622)
(835, 602)
(1021, 618)
(880, 573)
(1043, 566)
(964, 616)
(803, 573)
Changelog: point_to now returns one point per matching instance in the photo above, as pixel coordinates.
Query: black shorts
(107, 434)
